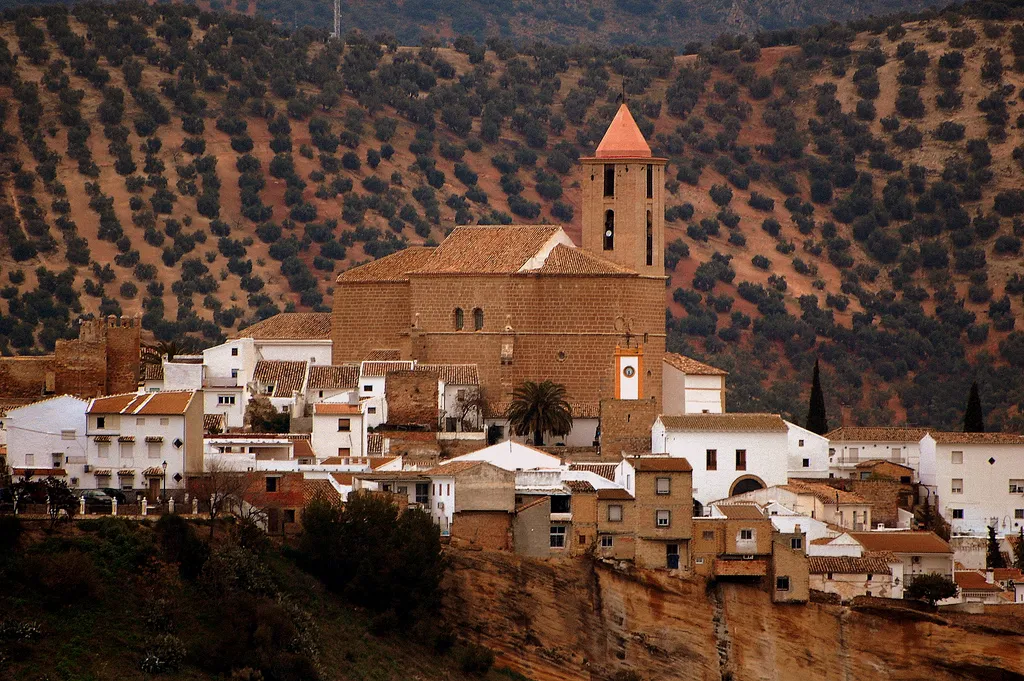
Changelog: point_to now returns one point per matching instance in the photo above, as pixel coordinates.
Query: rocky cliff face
(574, 620)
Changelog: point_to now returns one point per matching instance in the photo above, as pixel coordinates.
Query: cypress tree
(817, 421)
(1018, 551)
(973, 419)
(993, 557)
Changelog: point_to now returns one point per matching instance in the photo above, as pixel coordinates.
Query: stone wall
(884, 496)
(26, 377)
(626, 427)
(368, 316)
(412, 398)
(486, 529)
(531, 529)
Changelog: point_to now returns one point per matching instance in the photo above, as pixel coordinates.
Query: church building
(523, 302)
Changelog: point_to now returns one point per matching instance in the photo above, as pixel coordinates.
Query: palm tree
(539, 408)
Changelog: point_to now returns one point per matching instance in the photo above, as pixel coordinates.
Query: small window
(609, 180)
(67, 434)
(782, 583)
(234, 352)
(422, 493)
(958, 514)
(478, 319)
(371, 410)
(741, 459)
(101, 422)
(806, 463)
(165, 422)
(1016, 486)
(1018, 514)
(367, 388)
(746, 535)
(557, 536)
(344, 425)
(615, 513)
(800, 443)
(609, 230)
(663, 518)
(224, 400)
(234, 373)
(460, 319)
(698, 561)
(607, 541)
(650, 240)
(712, 460)
(58, 459)
(957, 486)
(957, 457)
(289, 515)
(271, 484)
(663, 485)
(650, 183)
(708, 535)
(796, 543)
(561, 503)
(140, 421)
(869, 578)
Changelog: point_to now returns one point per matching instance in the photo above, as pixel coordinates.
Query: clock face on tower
(629, 372)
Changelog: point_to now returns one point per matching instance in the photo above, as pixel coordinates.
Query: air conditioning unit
(749, 556)
(88, 468)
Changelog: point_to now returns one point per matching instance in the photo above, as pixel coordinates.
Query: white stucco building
(849, 446)
(691, 387)
(808, 453)
(815, 501)
(47, 438)
(338, 429)
(730, 453)
(976, 480)
(131, 436)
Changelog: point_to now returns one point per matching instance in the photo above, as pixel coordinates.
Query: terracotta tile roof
(377, 461)
(453, 468)
(974, 581)
(126, 438)
(333, 408)
(902, 542)
(453, 374)
(741, 511)
(169, 402)
(394, 267)
(383, 355)
(213, 423)
(824, 493)
(1006, 574)
(884, 434)
(579, 487)
(660, 464)
(38, 472)
(605, 470)
(623, 138)
(302, 449)
(614, 494)
(848, 565)
(567, 260)
(153, 472)
(691, 366)
(723, 423)
(978, 438)
(488, 249)
(313, 488)
(333, 377)
(290, 326)
(874, 462)
(152, 372)
(822, 541)
(741, 568)
(374, 444)
(382, 369)
(102, 473)
(284, 375)
(343, 478)
(154, 438)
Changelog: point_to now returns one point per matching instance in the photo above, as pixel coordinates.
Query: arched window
(478, 319)
(650, 240)
(460, 319)
(609, 230)
(609, 180)
(650, 182)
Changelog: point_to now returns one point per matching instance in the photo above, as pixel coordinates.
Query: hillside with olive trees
(850, 194)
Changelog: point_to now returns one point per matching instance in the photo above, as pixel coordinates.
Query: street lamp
(164, 476)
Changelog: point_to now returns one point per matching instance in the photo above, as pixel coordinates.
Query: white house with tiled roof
(730, 453)
(292, 336)
(691, 387)
(814, 500)
(47, 438)
(130, 437)
(338, 428)
(976, 480)
(849, 446)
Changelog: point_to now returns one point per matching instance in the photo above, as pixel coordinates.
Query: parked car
(121, 497)
(97, 499)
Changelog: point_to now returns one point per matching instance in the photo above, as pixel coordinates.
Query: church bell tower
(624, 199)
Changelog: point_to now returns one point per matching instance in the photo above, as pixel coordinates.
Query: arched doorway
(698, 509)
(746, 483)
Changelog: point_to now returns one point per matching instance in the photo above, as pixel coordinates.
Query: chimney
(796, 529)
(990, 576)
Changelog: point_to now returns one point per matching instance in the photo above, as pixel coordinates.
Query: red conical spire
(623, 138)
